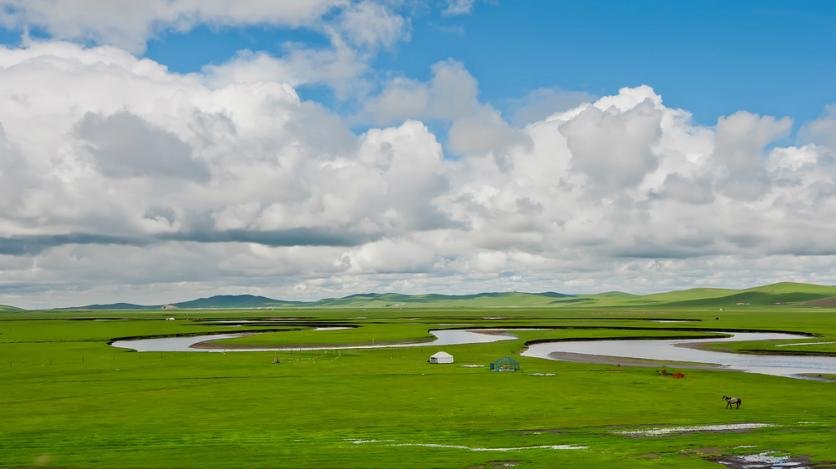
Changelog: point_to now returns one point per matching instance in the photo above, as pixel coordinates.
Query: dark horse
(732, 401)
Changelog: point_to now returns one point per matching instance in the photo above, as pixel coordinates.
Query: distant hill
(114, 306)
(506, 299)
(9, 308)
(364, 300)
(218, 301)
(801, 294)
(773, 294)
(685, 295)
(236, 301)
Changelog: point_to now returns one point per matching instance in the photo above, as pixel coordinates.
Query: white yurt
(441, 357)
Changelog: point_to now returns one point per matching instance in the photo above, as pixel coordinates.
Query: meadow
(70, 400)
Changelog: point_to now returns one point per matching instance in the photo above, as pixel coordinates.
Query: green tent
(505, 364)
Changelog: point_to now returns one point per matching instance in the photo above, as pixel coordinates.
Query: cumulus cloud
(544, 102)
(339, 67)
(355, 31)
(739, 152)
(450, 96)
(226, 180)
(251, 143)
(485, 132)
(124, 145)
(682, 189)
(613, 147)
(451, 93)
(822, 131)
(368, 24)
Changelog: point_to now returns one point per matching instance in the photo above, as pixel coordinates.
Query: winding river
(676, 351)
(186, 344)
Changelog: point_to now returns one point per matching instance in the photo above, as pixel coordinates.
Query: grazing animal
(732, 401)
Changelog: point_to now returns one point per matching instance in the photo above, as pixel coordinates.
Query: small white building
(441, 357)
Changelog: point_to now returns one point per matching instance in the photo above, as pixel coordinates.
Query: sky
(162, 150)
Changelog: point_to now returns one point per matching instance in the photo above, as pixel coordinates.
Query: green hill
(685, 295)
(112, 306)
(218, 301)
(778, 293)
(363, 300)
(793, 287)
(235, 301)
(615, 294)
(802, 294)
(9, 308)
(773, 294)
(505, 299)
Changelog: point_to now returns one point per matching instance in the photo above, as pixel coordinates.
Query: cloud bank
(120, 179)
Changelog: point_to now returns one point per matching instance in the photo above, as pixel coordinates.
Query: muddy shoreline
(193, 334)
(212, 344)
(626, 361)
(766, 352)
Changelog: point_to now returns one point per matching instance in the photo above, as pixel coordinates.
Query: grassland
(70, 400)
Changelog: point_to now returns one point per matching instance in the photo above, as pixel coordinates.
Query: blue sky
(449, 146)
(711, 57)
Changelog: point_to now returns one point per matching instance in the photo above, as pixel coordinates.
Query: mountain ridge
(803, 294)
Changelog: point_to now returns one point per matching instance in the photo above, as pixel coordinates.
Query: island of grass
(407, 333)
(824, 346)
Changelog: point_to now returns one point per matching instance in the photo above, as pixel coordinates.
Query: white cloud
(544, 102)
(450, 94)
(485, 132)
(614, 147)
(739, 152)
(368, 24)
(123, 145)
(822, 131)
(355, 32)
(458, 7)
(226, 180)
(130, 24)
(339, 67)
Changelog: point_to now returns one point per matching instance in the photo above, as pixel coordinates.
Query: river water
(670, 351)
(681, 350)
(185, 344)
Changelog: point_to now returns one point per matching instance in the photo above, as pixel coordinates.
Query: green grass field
(69, 400)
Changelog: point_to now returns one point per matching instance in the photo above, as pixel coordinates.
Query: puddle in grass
(694, 428)
(766, 459)
(466, 448)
